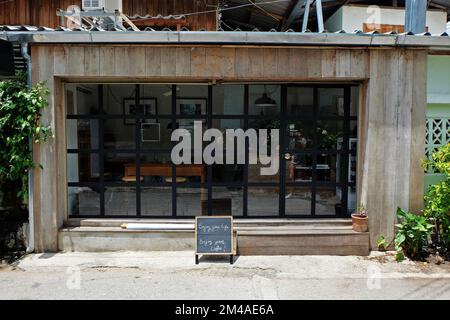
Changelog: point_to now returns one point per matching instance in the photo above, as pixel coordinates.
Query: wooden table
(165, 170)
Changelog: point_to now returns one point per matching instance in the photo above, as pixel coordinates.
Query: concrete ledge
(239, 222)
(254, 238)
(111, 239)
(305, 243)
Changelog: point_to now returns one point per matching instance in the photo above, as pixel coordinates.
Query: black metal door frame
(281, 184)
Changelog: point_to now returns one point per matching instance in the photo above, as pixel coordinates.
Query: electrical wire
(255, 4)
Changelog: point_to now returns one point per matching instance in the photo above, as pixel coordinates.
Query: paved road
(173, 275)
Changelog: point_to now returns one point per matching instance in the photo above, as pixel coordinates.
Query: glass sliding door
(317, 151)
(119, 150)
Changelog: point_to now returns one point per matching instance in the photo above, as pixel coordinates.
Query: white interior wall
(352, 17)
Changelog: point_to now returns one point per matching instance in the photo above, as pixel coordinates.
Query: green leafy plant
(412, 235)
(440, 160)
(361, 211)
(437, 200)
(413, 232)
(20, 115)
(432, 229)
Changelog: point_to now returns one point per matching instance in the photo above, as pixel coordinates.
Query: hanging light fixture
(265, 101)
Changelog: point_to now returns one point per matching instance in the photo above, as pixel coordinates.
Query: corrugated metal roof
(26, 28)
(159, 16)
(256, 37)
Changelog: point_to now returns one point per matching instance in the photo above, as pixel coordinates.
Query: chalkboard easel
(197, 256)
(214, 236)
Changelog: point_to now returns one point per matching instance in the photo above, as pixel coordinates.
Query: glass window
(191, 202)
(227, 201)
(156, 201)
(82, 134)
(328, 201)
(300, 135)
(83, 167)
(192, 100)
(228, 99)
(300, 102)
(329, 133)
(115, 131)
(120, 99)
(120, 200)
(119, 134)
(83, 201)
(298, 201)
(331, 102)
(264, 100)
(157, 99)
(82, 99)
(263, 201)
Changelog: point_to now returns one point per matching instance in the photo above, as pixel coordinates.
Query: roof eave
(223, 37)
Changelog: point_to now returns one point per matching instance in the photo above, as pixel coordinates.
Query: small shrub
(432, 229)
(437, 201)
(413, 232)
(412, 235)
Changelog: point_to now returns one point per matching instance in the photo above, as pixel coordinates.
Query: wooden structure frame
(391, 124)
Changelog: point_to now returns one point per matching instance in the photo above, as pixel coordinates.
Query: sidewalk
(174, 275)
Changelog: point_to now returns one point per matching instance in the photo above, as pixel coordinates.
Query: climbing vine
(20, 113)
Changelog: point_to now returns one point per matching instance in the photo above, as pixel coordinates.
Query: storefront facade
(350, 117)
(120, 165)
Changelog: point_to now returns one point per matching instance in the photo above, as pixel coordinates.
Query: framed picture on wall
(191, 106)
(147, 107)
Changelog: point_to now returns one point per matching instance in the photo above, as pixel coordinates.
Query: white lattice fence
(438, 134)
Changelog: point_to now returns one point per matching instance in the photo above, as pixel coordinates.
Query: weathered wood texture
(206, 21)
(43, 12)
(206, 63)
(394, 137)
(391, 122)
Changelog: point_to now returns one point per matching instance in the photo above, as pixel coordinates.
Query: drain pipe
(30, 247)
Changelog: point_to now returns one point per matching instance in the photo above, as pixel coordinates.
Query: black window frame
(209, 183)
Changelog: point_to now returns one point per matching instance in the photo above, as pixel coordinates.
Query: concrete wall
(391, 115)
(352, 17)
(438, 98)
(438, 87)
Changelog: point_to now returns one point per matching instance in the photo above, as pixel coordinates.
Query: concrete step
(241, 222)
(253, 238)
(304, 242)
(99, 239)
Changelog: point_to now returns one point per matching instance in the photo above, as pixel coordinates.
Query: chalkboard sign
(213, 236)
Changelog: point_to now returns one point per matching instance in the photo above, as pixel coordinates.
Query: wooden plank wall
(394, 137)
(208, 63)
(176, 7)
(35, 12)
(43, 12)
(391, 123)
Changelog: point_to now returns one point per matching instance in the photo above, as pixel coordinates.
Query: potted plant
(360, 220)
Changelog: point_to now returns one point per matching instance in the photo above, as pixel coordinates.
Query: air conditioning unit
(93, 5)
(108, 5)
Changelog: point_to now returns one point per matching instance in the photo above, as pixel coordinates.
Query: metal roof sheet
(256, 37)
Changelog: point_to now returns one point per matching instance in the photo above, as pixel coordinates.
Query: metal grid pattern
(437, 135)
(209, 184)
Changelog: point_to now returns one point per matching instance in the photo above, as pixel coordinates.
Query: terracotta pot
(360, 223)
